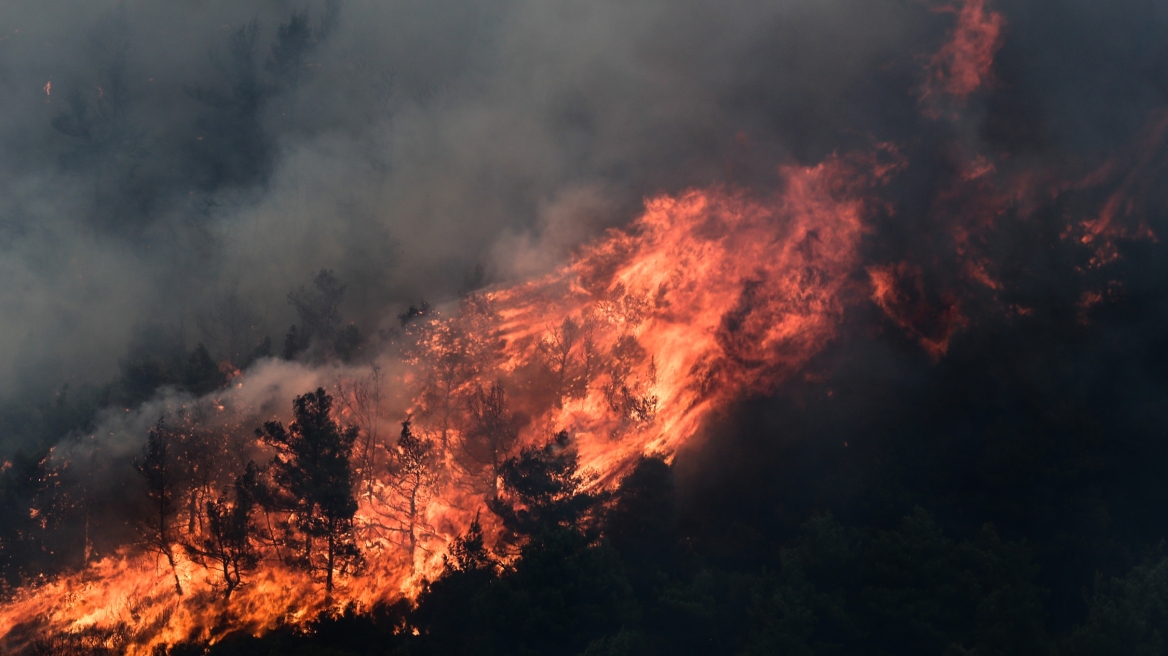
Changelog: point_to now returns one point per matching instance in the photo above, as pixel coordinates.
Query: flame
(964, 64)
(899, 290)
(707, 295)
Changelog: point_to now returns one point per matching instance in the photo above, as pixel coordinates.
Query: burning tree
(454, 353)
(158, 527)
(413, 478)
(491, 434)
(314, 484)
(627, 394)
(227, 545)
(362, 399)
(571, 357)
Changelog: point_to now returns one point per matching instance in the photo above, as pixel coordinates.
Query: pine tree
(414, 475)
(314, 483)
(159, 526)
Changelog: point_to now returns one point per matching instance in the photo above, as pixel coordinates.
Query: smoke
(171, 172)
(166, 168)
(158, 160)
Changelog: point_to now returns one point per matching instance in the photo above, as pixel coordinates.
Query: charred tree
(227, 544)
(413, 478)
(556, 349)
(453, 354)
(159, 528)
(491, 433)
(314, 483)
(362, 399)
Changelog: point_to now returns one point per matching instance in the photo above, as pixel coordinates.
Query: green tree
(1127, 615)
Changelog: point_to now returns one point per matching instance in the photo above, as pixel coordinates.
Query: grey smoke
(424, 139)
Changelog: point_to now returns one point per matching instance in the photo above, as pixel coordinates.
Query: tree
(629, 395)
(362, 399)
(227, 544)
(545, 490)
(202, 375)
(105, 138)
(413, 477)
(641, 523)
(319, 309)
(314, 482)
(234, 321)
(491, 434)
(159, 526)
(287, 64)
(232, 147)
(571, 356)
(453, 353)
(468, 552)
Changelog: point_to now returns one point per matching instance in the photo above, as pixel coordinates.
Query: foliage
(545, 490)
(314, 484)
(227, 545)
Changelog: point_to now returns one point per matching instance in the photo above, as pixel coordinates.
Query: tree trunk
(413, 524)
(328, 585)
(174, 569)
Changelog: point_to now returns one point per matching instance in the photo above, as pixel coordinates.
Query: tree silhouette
(159, 525)
(545, 490)
(319, 309)
(490, 436)
(413, 476)
(227, 544)
(314, 483)
(232, 147)
(453, 354)
(361, 398)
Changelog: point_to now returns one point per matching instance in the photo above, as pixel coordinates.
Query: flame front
(708, 294)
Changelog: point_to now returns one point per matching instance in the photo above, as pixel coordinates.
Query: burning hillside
(701, 299)
(382, 474)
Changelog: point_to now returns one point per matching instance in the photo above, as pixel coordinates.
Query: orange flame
(705, 296)
(964, 63)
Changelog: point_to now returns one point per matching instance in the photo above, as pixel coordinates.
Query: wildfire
(706, 295)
